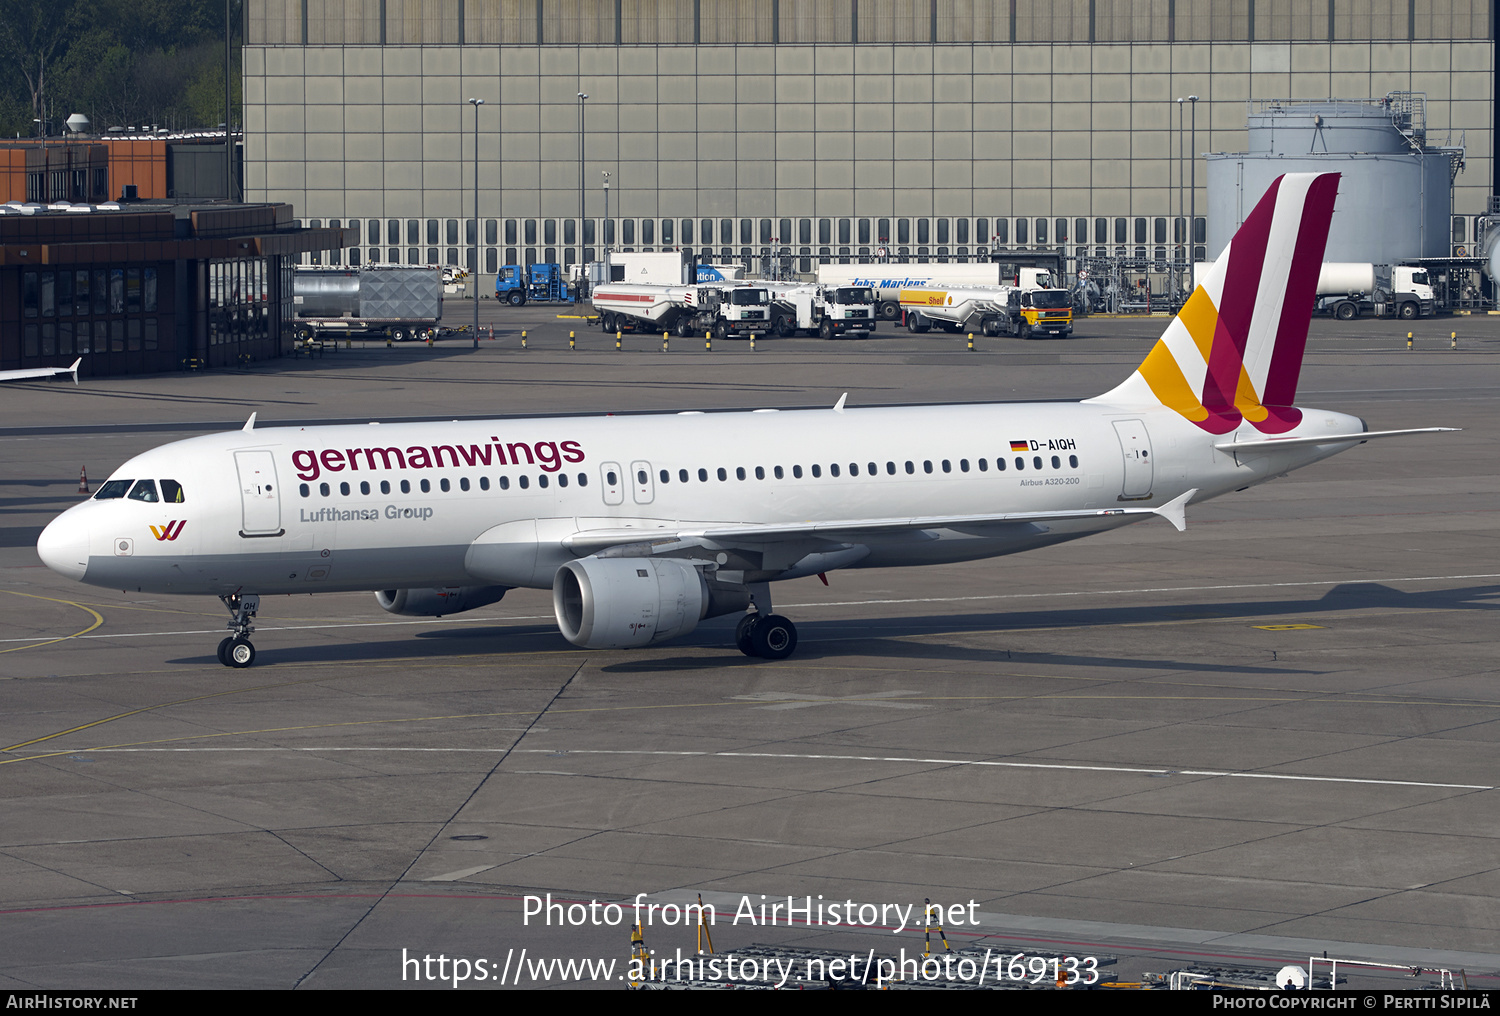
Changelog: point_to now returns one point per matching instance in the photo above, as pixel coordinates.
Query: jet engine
(437, 602)
(627, 602)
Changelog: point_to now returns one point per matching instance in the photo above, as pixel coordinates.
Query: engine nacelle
(628, 602)
(437, 602)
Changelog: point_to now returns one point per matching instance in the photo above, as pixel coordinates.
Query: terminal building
(930, 128)
(146, 287)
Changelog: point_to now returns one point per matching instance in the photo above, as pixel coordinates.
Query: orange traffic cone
(83, 480)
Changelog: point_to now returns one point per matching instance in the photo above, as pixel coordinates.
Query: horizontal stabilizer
(1293, 442)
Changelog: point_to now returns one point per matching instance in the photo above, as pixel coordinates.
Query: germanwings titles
(644, 525)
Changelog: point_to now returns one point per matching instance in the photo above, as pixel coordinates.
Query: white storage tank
(1395, 198)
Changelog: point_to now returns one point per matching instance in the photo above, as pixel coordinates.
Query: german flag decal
(1020, 446)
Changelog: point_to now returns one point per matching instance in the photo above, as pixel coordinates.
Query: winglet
(250, 423)
(838, 407)
(74, 369)
(1175, 510)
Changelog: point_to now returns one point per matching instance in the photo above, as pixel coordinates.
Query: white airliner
(21, 375)
(643, 525)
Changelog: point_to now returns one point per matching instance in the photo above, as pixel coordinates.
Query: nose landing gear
(236, 650)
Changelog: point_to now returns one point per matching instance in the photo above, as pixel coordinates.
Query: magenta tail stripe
(1247, 254)
(1301, 288)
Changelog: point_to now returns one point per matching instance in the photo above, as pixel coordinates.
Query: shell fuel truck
(999, 310)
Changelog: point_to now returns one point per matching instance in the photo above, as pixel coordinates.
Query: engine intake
(437, 602)
(627, 602)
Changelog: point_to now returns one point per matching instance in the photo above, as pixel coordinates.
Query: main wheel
(398, 334)
(1346, 312)
(224, 651)
(825, 330)
(516, 298)
(721, 331)
(744, 633)
(782, 327)
(1408, 311)
(773, 637)
(240, 653)
(607, 321)
(685, 328)
(1026, 330)
(890, 310)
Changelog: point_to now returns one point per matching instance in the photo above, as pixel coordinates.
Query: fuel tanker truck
(718, 310)
(989, 310)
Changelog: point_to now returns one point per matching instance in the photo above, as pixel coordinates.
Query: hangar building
(932, 127)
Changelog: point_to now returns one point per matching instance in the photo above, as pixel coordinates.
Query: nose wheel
(236, 650)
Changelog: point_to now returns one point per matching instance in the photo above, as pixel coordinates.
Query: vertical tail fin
(1234, 351)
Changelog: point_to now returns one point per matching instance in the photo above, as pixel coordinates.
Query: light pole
(474, 273)
(1193, 186)
(604, 226)
(582, 98)
(1176, 257)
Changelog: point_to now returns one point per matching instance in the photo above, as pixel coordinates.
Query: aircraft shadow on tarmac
(891, 637)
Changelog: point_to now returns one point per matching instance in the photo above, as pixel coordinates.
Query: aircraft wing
(852, 530)
(18, 375)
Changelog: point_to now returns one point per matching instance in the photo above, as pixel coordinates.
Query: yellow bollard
(1408, 340)
(663, 342)
(572, 344)
(752, 342)
(1452, 340)
(617, 340)
(523, 338)
(971, 342)
(708, 342)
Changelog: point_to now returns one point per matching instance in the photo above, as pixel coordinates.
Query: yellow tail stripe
(1169, 386)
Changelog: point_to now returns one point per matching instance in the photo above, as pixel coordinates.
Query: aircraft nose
(64, 547)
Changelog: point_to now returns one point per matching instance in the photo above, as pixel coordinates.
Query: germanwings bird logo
(1234, 352)
(170, 531)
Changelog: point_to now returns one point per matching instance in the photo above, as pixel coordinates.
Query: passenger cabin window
(113, 489)
(144, 490)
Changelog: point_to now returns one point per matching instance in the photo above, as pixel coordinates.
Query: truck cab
(1045, 312)
(743, 311)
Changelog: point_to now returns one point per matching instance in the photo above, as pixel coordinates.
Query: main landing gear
(236, 650)
(762, 633)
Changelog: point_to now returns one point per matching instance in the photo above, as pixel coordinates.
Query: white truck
(397, 301)
(1348, 289)
(721, 311)
(889, 280)
(828, 312)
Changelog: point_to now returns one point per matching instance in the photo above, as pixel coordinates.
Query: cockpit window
(171, 491)
(113, 489)
(144, 490)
